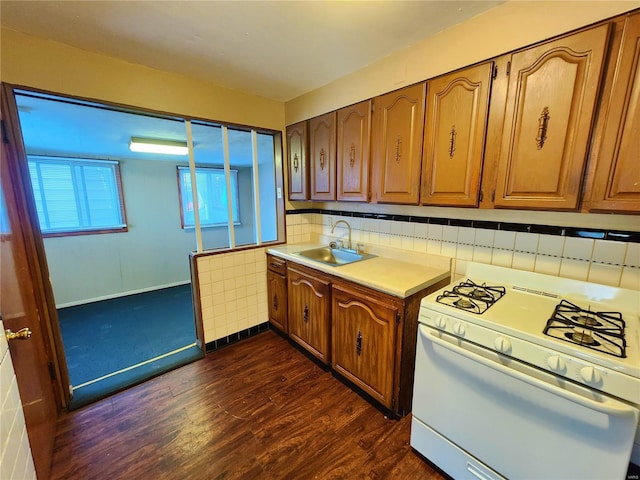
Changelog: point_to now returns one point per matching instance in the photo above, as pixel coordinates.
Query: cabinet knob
(305, 313)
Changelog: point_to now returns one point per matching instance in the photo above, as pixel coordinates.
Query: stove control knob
(502, 344)
(590, 375)
(441, 322)
(556, 363)
(459, 329)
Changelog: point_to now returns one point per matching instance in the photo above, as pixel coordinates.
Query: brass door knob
(21, 334)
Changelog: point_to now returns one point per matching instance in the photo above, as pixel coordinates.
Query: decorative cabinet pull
(398, 152)
(452, 141)
(296, 162)
(305, 314)
(543, 123)
(359, 343)
(323, 159)
(352, 155)
(275, 301)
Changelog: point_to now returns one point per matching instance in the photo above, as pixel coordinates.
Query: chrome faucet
(348, 226)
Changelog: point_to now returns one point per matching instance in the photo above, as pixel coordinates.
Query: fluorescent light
(148, 145)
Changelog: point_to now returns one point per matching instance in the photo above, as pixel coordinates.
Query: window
(212, 197)
(77, 196)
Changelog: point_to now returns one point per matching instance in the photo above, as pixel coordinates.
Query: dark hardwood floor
(256, 409)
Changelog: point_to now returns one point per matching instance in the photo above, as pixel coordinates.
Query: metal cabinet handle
(359, 343)
(275, 301)
(305, 314)
(21, 334)
(295, 162)
(452, 141)
(543, 124)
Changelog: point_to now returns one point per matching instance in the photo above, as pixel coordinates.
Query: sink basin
(333, 256)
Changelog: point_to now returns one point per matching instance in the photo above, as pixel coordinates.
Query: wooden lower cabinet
(277, 291)
(366, 336)
(309, 309)
(365, 327)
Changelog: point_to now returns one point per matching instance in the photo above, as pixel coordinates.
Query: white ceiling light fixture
(150, 145)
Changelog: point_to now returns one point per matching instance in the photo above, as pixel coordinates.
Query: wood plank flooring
(258, 409)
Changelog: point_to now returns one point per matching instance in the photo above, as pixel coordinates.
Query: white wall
(15, 454)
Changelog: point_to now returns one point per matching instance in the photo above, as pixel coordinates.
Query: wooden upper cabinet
(454, 134)
(398, 122)
(550, 106)
(354, 127)
(297, 161)
(616, 182)
(322, 156)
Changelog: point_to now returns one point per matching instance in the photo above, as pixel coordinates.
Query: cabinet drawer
(276, 264)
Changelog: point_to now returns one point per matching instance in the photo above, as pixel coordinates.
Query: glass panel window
(75, 196)
(213, 208)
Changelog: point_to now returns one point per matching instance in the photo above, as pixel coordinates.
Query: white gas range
(523, 375)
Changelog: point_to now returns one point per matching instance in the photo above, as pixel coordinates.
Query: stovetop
(547, 310)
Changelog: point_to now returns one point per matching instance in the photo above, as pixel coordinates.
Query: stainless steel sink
(333, 256)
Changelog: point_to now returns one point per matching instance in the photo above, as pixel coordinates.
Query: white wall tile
(578, 248)
(551, 245)
(408, 229)
(523, 261)
(576, 269)
(630, 278)
(605, 274)
(422, 230)
(632, 258)
(527, 242)
(450, 234)
(482, 254)
(448, 249)
(502, 257)
(547, 265)
(504, 240)
(484, 237)
(606, 251)
(466, 235)
(464, 252)
(435, 232)
(434, 247)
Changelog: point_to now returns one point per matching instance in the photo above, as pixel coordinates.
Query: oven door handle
(608, 406)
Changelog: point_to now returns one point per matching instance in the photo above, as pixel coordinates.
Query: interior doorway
(116, 250)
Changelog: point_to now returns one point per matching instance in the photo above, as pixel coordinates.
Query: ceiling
(274, 49)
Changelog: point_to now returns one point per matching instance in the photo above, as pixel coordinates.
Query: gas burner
(469, 296)
(601, 331)
(463, 303)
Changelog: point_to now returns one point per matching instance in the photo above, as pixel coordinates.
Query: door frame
(34, 245)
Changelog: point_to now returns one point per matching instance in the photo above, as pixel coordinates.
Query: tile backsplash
(606, 257)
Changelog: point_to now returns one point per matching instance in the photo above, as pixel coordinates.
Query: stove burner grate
(471, 297)
(601, 331)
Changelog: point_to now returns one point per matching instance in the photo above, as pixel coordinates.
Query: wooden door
(616, 183)
(277, 292)
(354, 132)
(364, 341)
(454, 137)
(309, 308)
(322, 156)
(550, 106)
(20, 288)
(398, 123)
(297, 161)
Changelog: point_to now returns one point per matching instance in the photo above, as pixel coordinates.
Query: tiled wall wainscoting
(605, 257)
(233, 293)
(15, 453)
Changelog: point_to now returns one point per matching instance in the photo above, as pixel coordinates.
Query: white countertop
(397, 272)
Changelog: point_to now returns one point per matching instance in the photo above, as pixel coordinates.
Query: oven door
(471, 404)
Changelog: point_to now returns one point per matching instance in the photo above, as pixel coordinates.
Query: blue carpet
(103, 340)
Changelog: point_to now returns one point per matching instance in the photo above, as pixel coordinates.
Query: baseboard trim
(120, 294)
(235, 337)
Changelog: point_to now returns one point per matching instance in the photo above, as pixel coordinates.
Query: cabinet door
(353, 152)
(309, 308)
(455, 128)
(322, 152)
(277, 292)
(297, 161)
(398, 122)
(549, 112)
(616, 183)
(364, 341)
